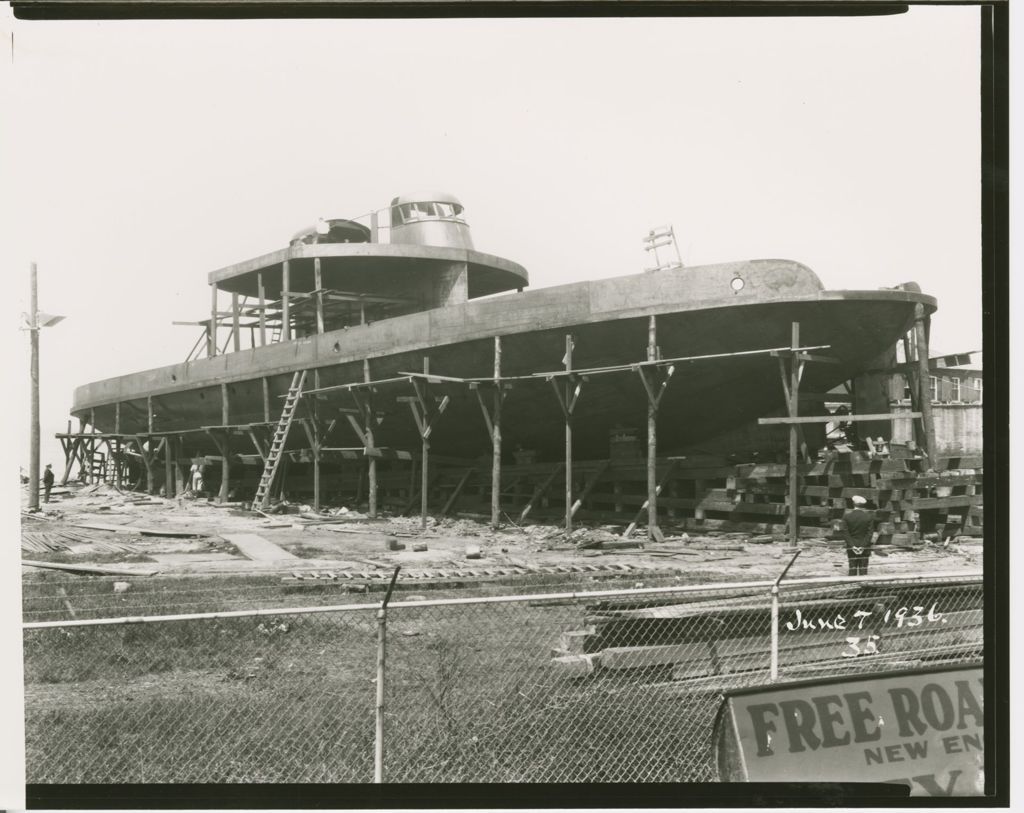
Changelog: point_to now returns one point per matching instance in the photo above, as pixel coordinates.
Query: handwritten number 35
(870, 648)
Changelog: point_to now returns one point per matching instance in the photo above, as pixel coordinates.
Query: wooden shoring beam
(654, 395)
(792, 392)
(643, 508)
(426, 414)
(365, 406)
(225, 465)
(567, 398)
(619, 368)
(117, 418)
(179, 472)
(922, 328)
(265, 384)
(221, 440)
(457, 490)
(73, 452)
(585, 492)
(149, 457)
(168, 467)
(261, 444)
(492, 420)
(540, 490)
(804, 419)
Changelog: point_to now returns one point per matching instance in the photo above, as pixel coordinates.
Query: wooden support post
(425, 413)
(652, 439)
(318, 284)
(117, 419)
(117, 465)
(149, 413)
(795, 368)
(425, 447)
(266, 399)
(286, 318)
(236, 333)
(315, 443)
(261, 293)
(921, 326)
(225, 465)
(371, 465)
(568, 436)
(179, 475)
(211, 335)
(169, 466)
(499, 395)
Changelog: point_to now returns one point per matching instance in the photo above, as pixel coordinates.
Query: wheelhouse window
(954, 389)
(425, 210)
(933, 387)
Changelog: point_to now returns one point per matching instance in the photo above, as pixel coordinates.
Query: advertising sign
(923, 728)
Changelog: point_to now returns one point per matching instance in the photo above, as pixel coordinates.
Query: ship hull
(609, 322)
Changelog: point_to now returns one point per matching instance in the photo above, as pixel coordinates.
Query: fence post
(382, 624)
(774, 675)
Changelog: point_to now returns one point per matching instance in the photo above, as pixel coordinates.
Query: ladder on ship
(291, 401)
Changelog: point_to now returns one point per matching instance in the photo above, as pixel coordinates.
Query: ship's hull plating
(704, 398)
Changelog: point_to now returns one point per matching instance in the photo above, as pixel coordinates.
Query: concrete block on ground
(577, 665)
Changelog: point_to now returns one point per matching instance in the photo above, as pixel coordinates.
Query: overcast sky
(145, 154)
(139, 156)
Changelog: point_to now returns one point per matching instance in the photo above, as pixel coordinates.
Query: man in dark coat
(859, 527)
(47, 482)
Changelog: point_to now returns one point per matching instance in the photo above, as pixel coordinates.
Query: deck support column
(266, 399)
(261, 293)
(236, 332)
(922, 324)
(286, 316)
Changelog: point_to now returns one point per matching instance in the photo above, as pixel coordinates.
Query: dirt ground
(305, 542)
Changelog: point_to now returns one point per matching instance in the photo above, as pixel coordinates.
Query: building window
(933, 387)
(954, 389)
(977, 388)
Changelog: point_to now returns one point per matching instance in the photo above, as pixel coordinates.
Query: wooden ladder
(280, 436)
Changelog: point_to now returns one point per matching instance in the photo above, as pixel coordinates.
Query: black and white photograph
(454, 399)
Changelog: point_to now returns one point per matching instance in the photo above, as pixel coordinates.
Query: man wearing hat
(859, 527)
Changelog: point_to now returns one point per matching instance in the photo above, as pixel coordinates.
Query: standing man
(47, 482)
(859, 527)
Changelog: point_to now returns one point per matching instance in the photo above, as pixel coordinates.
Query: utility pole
(36, 320)
(33, 465)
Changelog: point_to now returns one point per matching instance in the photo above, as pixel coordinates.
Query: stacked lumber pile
(54, 541)
(907, 503)
(699, 637)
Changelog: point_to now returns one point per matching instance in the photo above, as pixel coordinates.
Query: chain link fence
(602, 686)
